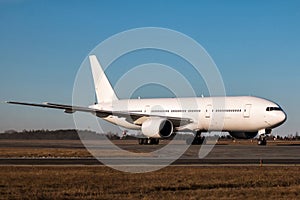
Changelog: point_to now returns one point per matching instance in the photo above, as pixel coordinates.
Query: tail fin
(104, 91)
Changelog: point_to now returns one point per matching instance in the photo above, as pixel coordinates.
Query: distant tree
(278, 137)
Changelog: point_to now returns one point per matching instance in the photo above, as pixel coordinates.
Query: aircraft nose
(280, 118)
(277, 118)
(283, 117)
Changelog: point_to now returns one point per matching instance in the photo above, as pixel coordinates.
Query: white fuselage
(240, 113)
(241, 116)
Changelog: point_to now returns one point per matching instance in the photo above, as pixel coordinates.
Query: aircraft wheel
(198, 140)
(195, 141)
(141, 141)
(262, 142)
(154, 141)
(150, 141)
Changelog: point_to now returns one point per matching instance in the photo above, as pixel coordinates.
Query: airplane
(244, 117)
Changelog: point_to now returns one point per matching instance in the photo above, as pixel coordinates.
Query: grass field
(174, 182)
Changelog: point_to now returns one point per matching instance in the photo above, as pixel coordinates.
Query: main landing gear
(150, 141)
(197, 140)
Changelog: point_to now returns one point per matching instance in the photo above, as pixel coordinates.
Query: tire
(141, 141)
(198, 140)
(262, 142)
(154, 141)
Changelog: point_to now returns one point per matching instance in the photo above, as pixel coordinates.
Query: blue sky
(255, 44)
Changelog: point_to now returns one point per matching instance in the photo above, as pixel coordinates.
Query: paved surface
(129, 162)
(220, 154)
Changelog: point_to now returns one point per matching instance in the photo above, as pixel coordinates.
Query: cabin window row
(159, 110)
(228, 110)
(176, 110)
(185, 110)
(135, 110)
(196, 110)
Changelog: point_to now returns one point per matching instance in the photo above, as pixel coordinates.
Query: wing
(139, 118)
(135, 118)
(66, 108)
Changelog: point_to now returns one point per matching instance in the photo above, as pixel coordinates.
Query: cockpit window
(273, 108)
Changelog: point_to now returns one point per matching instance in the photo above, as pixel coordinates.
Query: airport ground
(76, 180)
(74, 148)
(173, 182)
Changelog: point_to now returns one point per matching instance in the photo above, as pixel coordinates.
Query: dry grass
(43, 152)
(96, 182)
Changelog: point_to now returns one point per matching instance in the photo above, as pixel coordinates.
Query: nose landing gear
(262, 139)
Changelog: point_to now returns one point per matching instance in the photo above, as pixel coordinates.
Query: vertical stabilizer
(104, 91)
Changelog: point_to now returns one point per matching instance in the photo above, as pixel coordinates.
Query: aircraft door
(208, 111)
(147, 109)
(247, 109)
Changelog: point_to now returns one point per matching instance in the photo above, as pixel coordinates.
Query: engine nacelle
(243, 135)
(156, 127)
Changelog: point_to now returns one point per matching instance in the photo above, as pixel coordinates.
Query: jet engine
(157, 128)
(243, 135)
